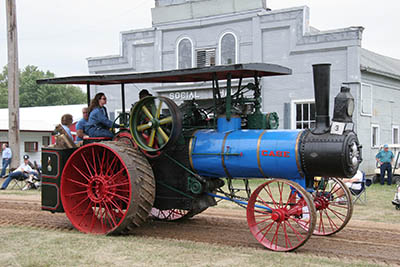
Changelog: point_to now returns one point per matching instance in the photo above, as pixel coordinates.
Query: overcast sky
(58, 35)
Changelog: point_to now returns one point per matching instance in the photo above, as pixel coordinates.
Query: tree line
(33, 95)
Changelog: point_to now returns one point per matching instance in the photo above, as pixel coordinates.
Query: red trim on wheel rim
(96, 189)
(151, 155)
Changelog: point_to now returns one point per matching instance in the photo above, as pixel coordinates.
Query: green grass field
(33, 247)
(379, 207)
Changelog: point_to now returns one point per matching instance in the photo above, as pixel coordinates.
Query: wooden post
(13, 83)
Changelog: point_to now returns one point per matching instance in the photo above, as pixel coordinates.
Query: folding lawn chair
(19, 182)
(361, 194)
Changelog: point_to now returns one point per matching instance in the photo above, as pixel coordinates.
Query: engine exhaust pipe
(322, 80)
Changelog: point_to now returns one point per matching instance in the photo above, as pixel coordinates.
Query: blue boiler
(246, 153)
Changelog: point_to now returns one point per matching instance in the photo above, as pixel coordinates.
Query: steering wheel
(125, 117)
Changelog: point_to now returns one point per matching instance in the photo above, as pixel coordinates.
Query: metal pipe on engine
(322, 78)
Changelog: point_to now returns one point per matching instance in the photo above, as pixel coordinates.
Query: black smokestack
(322, 80)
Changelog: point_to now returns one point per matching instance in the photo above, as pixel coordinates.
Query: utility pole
(13, 82)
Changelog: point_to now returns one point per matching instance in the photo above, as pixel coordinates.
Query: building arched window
(185, 54)
(228, 53)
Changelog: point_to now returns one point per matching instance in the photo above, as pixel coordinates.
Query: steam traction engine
(174, 162)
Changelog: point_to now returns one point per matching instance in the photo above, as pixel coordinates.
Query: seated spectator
(34, 181)
(353, 183)
(82, 124)
(66, 121)
(99, 125)
(23, 170)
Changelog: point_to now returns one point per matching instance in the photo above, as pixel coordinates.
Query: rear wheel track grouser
(107, 188)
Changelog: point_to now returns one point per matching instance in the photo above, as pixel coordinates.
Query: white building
(192, 33)
(36, 126)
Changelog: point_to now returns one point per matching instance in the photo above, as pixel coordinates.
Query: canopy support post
(123, 118)
(88, 93)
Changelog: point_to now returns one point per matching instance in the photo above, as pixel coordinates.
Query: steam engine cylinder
(246, 153)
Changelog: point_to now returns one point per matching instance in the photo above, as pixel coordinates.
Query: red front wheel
(107, 188)
(333, 204)
(281, 215)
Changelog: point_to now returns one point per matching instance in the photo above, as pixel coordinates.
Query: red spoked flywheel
(100, 191)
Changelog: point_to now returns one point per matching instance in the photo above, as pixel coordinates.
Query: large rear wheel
(125, 137)
(107, 188)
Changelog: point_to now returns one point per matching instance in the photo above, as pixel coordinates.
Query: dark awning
(176, 76)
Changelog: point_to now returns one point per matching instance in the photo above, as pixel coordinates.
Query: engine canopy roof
(221, 72)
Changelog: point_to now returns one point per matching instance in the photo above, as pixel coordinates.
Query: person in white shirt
(353, 183)
(23, 170)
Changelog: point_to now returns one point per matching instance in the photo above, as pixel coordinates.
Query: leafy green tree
(3, 88)
(32, 94)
